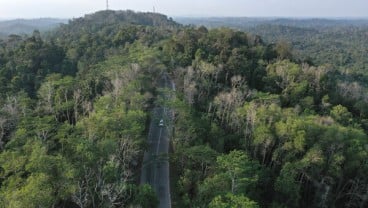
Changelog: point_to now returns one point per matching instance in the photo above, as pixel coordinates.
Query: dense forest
(254, 125)
(337, 42)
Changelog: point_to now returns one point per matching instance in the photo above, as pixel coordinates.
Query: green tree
(146, 197)
(40, 180)
(232, 201)
(239, 170)
(341, 115)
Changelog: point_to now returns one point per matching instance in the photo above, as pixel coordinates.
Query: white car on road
(161, 123)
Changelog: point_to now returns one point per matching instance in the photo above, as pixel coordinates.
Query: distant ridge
(27, 26)
(247, 22)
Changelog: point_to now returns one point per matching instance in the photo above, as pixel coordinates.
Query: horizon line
(199, 16)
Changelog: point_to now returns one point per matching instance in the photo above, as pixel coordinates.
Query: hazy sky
(250, 8)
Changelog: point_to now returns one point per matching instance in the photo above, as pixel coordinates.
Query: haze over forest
(11, 9)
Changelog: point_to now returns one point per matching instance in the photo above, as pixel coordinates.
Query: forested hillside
(253, 127)
(338, 42)
(342, 47)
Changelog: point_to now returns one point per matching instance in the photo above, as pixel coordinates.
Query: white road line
(159, 140)
(149, 132)
(157, 148)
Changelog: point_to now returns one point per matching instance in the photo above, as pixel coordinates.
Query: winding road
(155, 169)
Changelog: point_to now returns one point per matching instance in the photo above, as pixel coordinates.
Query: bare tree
(227, 103)
(190, 86)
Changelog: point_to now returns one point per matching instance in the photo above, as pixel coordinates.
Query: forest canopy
(254, 125)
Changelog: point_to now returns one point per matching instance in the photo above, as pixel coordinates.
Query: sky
(193, 8)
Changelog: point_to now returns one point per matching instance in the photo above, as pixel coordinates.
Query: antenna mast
(107, 4)
(154, 6)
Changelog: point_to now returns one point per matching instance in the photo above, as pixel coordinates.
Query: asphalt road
(155, 169)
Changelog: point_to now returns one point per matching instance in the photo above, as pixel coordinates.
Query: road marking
(159, 140)
(157, 148)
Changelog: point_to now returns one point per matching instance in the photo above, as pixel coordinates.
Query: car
(161, 123)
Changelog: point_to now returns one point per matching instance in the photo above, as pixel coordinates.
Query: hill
(103, 19)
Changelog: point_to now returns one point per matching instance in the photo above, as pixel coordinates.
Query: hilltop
(102, 19)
